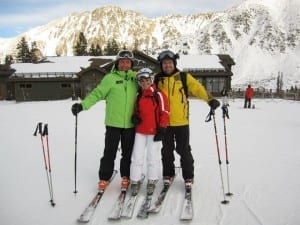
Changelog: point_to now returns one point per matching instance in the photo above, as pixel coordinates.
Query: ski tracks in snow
(246, 214)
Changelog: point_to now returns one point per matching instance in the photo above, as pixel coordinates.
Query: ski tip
(154, 210)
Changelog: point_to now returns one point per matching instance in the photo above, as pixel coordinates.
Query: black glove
(136, 120)
(214, 103)
(160, 133)
(225, 112)
(76, 108)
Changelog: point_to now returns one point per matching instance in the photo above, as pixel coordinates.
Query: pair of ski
(126, 210)
(187, 212)
(146, 208)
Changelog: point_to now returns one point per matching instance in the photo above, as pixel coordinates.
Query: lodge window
(66, 85)
(25, 86)
(215, 85)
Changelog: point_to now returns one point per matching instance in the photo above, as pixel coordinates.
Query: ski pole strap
(38, 129)
(211, 113)
(225, 112)
(45, 132)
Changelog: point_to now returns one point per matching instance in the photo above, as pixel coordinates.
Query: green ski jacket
(119, 89)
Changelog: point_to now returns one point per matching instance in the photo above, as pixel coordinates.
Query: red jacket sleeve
(164, 109)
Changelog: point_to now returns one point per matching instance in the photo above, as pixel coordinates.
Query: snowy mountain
(263, 36)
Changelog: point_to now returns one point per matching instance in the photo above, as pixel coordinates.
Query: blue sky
(18, 16)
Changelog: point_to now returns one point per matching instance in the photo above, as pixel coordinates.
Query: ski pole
(212, 113)
(39, 129)
(75, 159)
(225, 114)
(45, 134)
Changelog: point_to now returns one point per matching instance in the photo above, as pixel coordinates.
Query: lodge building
(64, 77)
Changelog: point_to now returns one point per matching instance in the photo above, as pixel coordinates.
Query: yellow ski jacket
(179, 106)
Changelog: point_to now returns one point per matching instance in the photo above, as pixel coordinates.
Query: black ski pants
(247, 103)
(177, 138)
(113, 135)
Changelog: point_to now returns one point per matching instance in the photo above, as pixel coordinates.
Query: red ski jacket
(249, 93)
(153, 110)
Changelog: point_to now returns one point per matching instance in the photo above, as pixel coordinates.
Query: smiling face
(124, 64)
(145, 83)
(168, 66)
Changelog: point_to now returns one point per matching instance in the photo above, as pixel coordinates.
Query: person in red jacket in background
(151, 117)
(249, 93)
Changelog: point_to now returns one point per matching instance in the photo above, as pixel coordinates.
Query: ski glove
(76, 108)
(214, 103)
(225, 111)
(160, 133)
(136, 120)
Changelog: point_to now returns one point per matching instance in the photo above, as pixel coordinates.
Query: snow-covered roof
(63, 64)
(72, 64)
(199, 62)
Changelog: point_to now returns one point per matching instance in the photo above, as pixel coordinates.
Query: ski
(187, 209)
(91, 208)
(156, 207)
(143, 211)
(117, 210)
(128, 209)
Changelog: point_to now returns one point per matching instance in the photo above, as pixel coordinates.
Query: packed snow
(264, 164)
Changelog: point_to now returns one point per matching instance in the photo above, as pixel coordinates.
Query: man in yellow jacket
(177, 134)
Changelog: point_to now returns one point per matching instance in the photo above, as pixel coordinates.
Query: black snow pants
(113, 136)
(177, 138)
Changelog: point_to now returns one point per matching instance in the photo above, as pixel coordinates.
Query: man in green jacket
(118, 88)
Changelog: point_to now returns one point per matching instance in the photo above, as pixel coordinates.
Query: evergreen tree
(8, 60)
(279, 83)
(80, 47)
(92, 50)
(107, 49)
(35, 53)
(112, 47)
(98, 50)
(23, 53)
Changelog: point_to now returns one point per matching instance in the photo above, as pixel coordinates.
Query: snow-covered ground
(264, 156)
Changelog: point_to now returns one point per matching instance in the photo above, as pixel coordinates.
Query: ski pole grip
(211, 113)
(38, 129)
(45, 132)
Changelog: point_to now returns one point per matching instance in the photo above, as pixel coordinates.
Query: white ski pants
(144, 144)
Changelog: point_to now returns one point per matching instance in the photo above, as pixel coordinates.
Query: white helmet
(145, 73)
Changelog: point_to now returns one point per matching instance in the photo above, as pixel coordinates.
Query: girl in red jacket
(151, 117)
